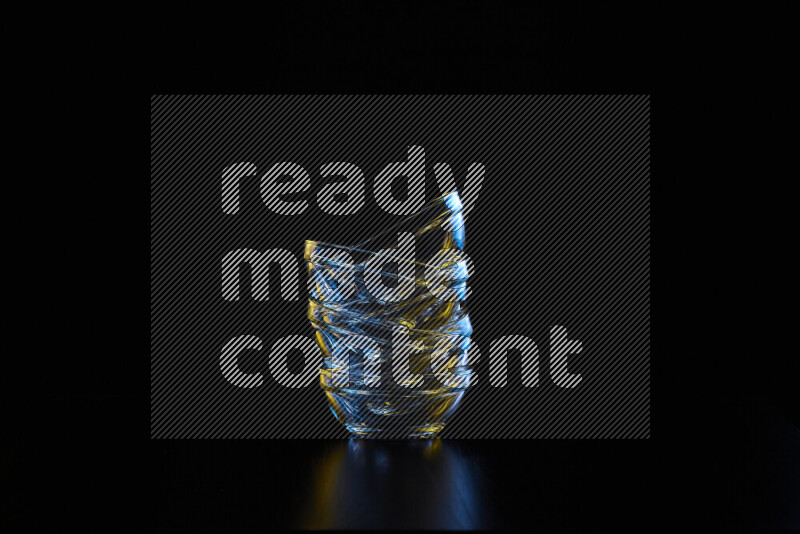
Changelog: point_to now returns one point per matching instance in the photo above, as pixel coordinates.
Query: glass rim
(451, 197)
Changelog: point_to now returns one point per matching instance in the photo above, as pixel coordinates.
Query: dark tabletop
(744, 475)
(735, 466)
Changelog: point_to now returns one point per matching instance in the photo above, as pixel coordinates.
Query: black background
(723, 451)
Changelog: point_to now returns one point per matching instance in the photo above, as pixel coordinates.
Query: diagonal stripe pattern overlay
(558, 232)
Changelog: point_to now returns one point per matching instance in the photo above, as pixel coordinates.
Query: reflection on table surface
(739, 468)
(421, 484)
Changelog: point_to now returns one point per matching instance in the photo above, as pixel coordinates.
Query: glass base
(418, 432)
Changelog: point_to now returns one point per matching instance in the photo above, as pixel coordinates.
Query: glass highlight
(392, 325)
